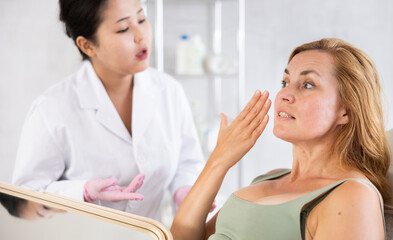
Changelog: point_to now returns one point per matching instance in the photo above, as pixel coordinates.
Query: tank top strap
(270, 176)
(314, 198)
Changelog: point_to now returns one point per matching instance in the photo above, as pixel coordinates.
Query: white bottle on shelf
(197, 55)
(182, 56)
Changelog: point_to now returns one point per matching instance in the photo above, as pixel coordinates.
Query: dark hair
(12, 204)
(81, 18)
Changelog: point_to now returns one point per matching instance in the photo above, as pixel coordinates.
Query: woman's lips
(142, 54)
(282, 115)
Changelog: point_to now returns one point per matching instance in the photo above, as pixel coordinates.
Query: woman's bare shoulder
(354, 192)
(352, 208)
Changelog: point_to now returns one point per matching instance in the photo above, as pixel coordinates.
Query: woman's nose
(286, 96)
(138, 34)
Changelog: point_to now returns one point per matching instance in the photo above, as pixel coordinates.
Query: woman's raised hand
(235, 140)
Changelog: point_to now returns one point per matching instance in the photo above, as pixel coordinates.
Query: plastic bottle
(182, 55)
(197, 55)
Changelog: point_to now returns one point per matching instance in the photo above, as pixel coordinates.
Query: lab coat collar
(88, 86)
(92, 95)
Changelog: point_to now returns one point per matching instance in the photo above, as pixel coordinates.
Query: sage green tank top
(241, 219)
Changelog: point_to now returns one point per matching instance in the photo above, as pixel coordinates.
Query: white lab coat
(73, 133)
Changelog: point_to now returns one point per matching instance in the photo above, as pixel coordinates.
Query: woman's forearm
(233, 142)
(190, 219)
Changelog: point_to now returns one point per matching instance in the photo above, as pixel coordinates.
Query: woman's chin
(282, 134)
(137, 67)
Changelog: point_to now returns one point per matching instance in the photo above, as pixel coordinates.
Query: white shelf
(216, 42)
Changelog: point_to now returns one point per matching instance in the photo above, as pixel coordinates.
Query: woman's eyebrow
(306, 72)
(124, 18)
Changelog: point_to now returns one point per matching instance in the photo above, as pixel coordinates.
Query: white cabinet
(221, 25)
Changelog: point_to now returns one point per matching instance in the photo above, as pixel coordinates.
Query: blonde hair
(362, 142)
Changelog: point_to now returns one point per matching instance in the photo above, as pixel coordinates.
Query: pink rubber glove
(181, 193)
(108, 190)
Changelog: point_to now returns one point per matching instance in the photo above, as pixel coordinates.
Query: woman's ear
(343, 117)
(86, 46)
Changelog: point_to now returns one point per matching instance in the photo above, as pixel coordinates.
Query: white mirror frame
(142, 224)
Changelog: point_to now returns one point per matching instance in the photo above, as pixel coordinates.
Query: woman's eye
(142, 21)
(123, 31)
(45, 207)
(308, 85)
(284, 84)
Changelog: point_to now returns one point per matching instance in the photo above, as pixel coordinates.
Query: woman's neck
(114, 83)
(316, 161)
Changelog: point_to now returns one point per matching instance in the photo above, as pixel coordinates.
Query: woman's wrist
(86, 195)
(216, 166)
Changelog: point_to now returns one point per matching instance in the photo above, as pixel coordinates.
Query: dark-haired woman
(113, 121)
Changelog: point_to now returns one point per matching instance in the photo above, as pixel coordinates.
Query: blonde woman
(329, 108)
